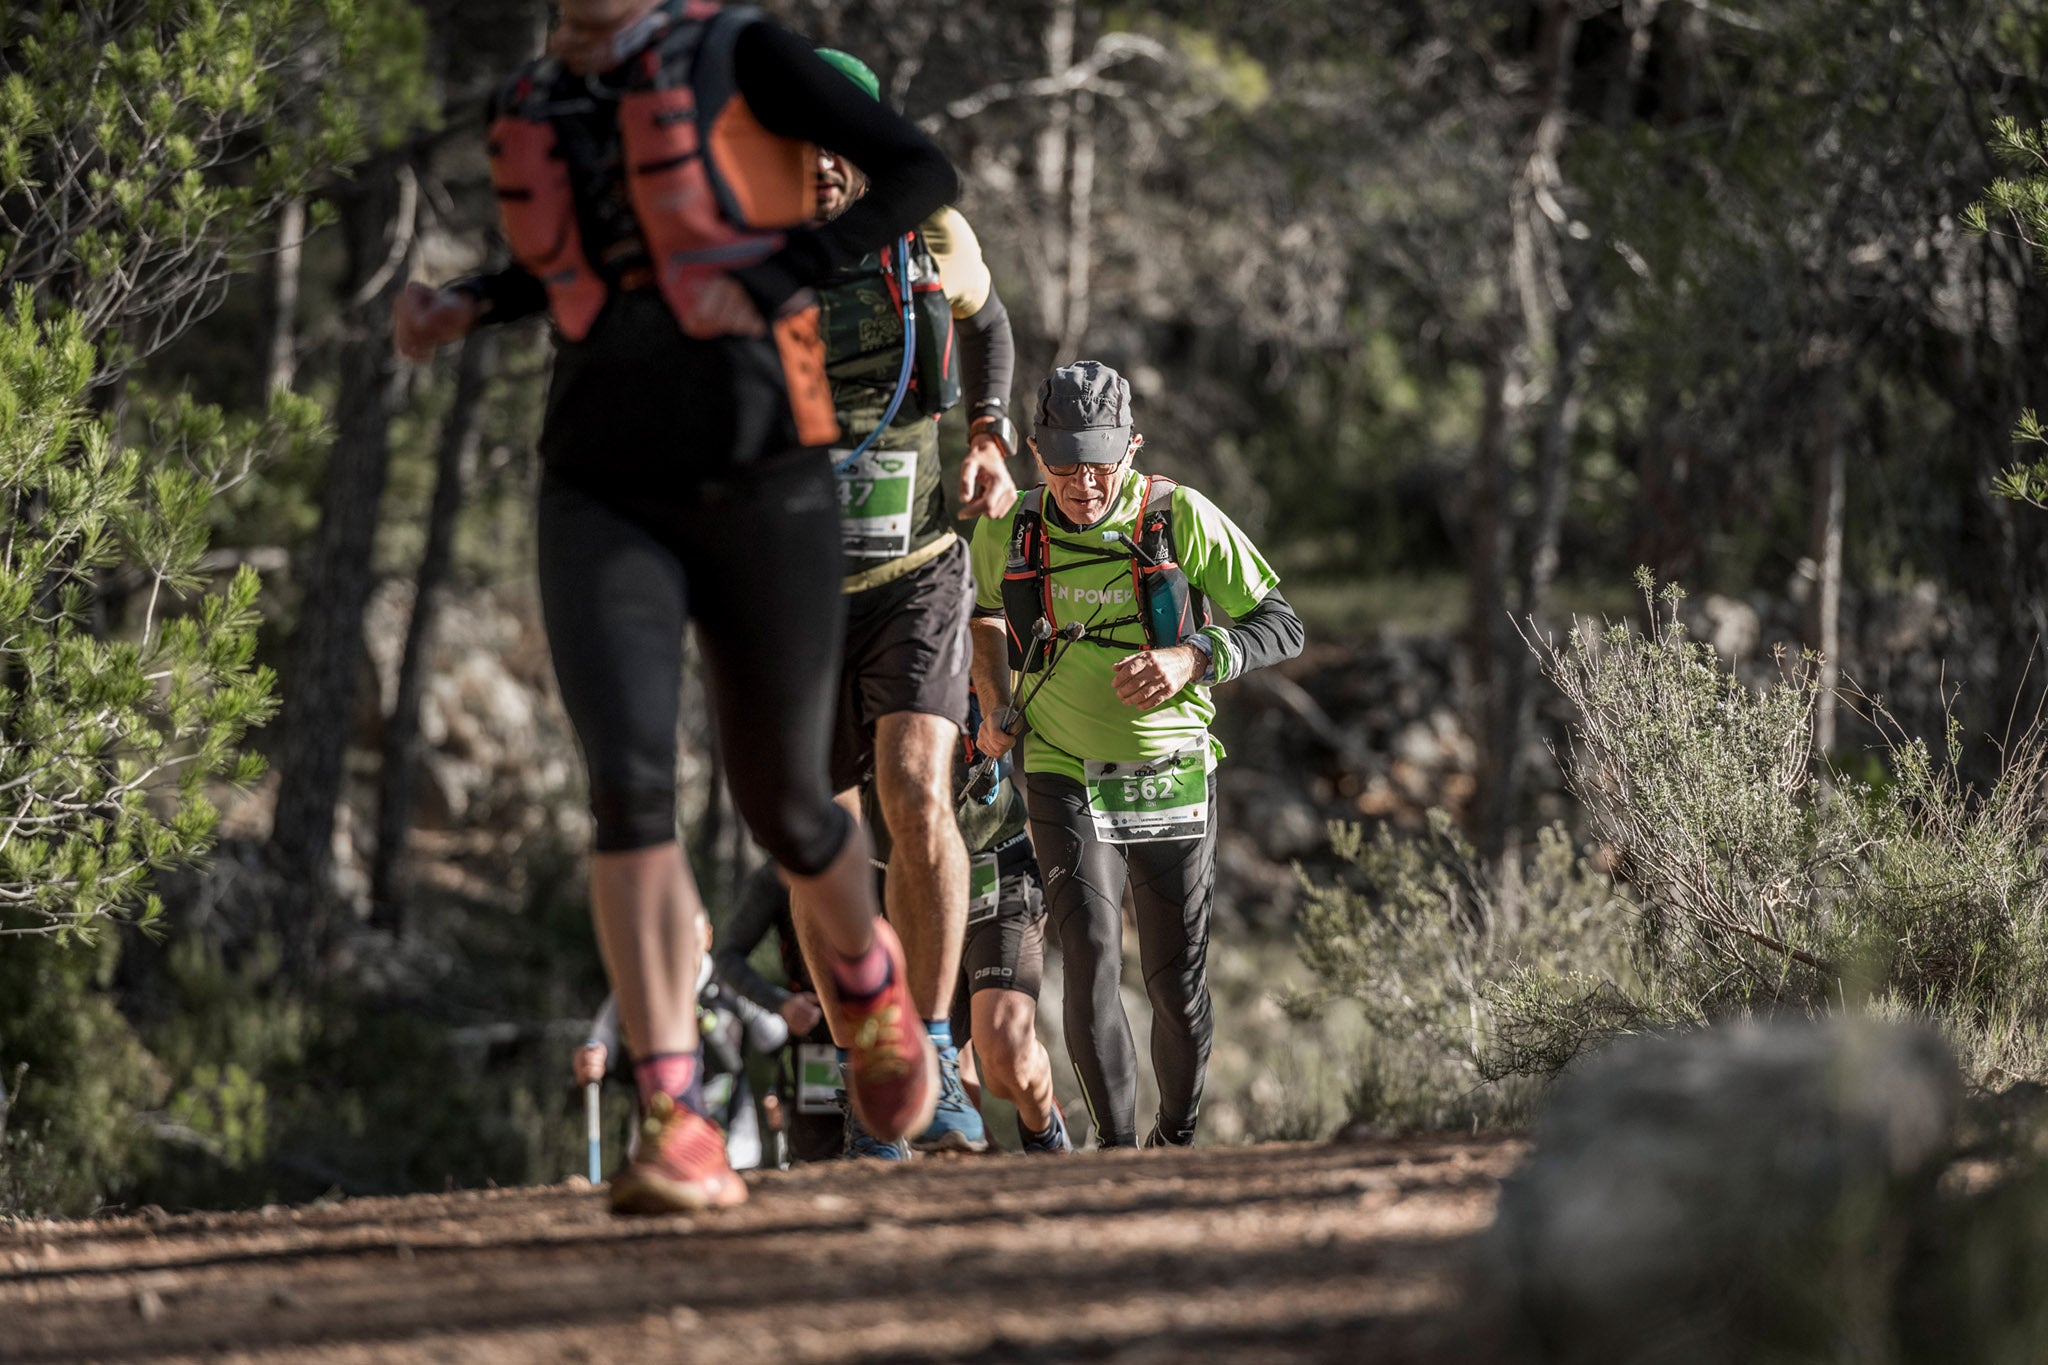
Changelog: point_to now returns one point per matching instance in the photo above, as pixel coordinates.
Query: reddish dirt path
(1296, 1252)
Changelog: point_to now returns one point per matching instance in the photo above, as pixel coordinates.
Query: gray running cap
(1084, 413)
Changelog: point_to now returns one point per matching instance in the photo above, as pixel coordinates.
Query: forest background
(1466, 310)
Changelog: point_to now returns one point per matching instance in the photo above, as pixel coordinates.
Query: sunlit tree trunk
(455, 463)
(1824, 548)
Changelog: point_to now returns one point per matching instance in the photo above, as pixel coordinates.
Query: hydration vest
(1169, 610)
(711, 190)
(864, 336)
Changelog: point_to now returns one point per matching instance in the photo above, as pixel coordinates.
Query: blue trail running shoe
(956, 1124)
(861, 1144)
(1053, 1140)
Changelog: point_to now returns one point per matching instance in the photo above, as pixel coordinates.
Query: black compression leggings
(754, 560)
(1172, 883)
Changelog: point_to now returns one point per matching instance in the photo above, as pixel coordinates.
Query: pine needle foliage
(2017, 205)
(109, 741)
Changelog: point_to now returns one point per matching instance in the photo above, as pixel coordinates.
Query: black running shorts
(1005, 950)
(906, 650)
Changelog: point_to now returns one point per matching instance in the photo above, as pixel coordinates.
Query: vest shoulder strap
(714, 71)
(525, 90)
(1155, 519)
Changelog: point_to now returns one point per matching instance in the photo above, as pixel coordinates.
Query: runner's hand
(801, 1013)
(423, 318)
(723, 309)
(992, 739)
(986, 488)
(590, 1063)
(1156, 676)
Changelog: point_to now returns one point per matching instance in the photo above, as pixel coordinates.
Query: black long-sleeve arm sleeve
(988, 358)
(754, 914)
(795, 93)
(1268, 634)
(507, 295)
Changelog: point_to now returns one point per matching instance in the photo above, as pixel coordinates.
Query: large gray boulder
(1738, 1194)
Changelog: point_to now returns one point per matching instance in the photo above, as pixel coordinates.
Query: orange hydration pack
(711, 188)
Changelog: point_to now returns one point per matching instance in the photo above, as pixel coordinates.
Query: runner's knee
(629, 816)
(914, 772)
(803, 834)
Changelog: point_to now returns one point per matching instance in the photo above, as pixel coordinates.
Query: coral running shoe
(680, 1166)
(892, 1069)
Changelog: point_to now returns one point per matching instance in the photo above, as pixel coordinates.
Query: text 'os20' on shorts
(906, 650)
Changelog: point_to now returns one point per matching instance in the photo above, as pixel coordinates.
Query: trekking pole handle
(1131, 547)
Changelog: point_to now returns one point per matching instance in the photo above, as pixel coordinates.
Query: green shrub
(1739, 879)
(1465, 980)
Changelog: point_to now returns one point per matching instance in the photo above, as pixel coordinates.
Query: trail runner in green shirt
(1091, 614)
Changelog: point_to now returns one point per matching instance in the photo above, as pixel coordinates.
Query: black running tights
(1172, 884)
(754, 560)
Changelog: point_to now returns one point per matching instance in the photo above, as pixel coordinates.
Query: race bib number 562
(1159, 798)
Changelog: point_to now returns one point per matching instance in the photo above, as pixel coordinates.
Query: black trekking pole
(982, 780)
(1131, 548)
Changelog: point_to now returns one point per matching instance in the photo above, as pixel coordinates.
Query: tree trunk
(1540, 561)
(1824, 606)
(1080, 225)
(455, 463)
(1488, 633)
(316, 721)
(283, 363)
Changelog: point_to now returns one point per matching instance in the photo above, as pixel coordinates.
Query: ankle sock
(679, 1075)
(861, 979)
(940, 1031)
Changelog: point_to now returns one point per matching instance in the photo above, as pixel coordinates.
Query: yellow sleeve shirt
(958, 253)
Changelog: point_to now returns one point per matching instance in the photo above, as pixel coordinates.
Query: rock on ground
(1736, 1194)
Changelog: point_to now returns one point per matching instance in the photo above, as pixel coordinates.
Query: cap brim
(1091, 445)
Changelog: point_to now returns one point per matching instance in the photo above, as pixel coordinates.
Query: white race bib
(875, 495)
(818, 1086)
(1139, 802)
(984, 888)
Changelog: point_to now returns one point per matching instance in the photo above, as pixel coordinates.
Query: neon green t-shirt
(1077, 715)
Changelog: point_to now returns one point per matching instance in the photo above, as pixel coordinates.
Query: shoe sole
(951, 1142)
(916, 1122)
(639, 1193)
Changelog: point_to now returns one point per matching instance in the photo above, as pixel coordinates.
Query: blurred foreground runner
(890, 322)
(655, 178)
(1092, 618)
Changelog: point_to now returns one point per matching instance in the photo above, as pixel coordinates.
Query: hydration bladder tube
(909, 357)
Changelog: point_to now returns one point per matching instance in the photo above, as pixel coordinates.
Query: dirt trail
(1297, 1252)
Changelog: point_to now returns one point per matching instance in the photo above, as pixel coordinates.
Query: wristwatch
(1207, 646)
(995, 424)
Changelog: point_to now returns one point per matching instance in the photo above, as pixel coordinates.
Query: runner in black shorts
(996, 1007)
(655, 183)
(907, 584)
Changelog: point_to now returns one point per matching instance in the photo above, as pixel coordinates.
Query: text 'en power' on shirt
(1077, 714)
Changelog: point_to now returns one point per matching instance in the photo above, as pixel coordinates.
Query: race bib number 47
(1152, 799)
(875, 493)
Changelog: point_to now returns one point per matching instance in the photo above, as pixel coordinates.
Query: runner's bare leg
(1014, 1064)
(644, 903)
(819, 907)
(927, 884)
